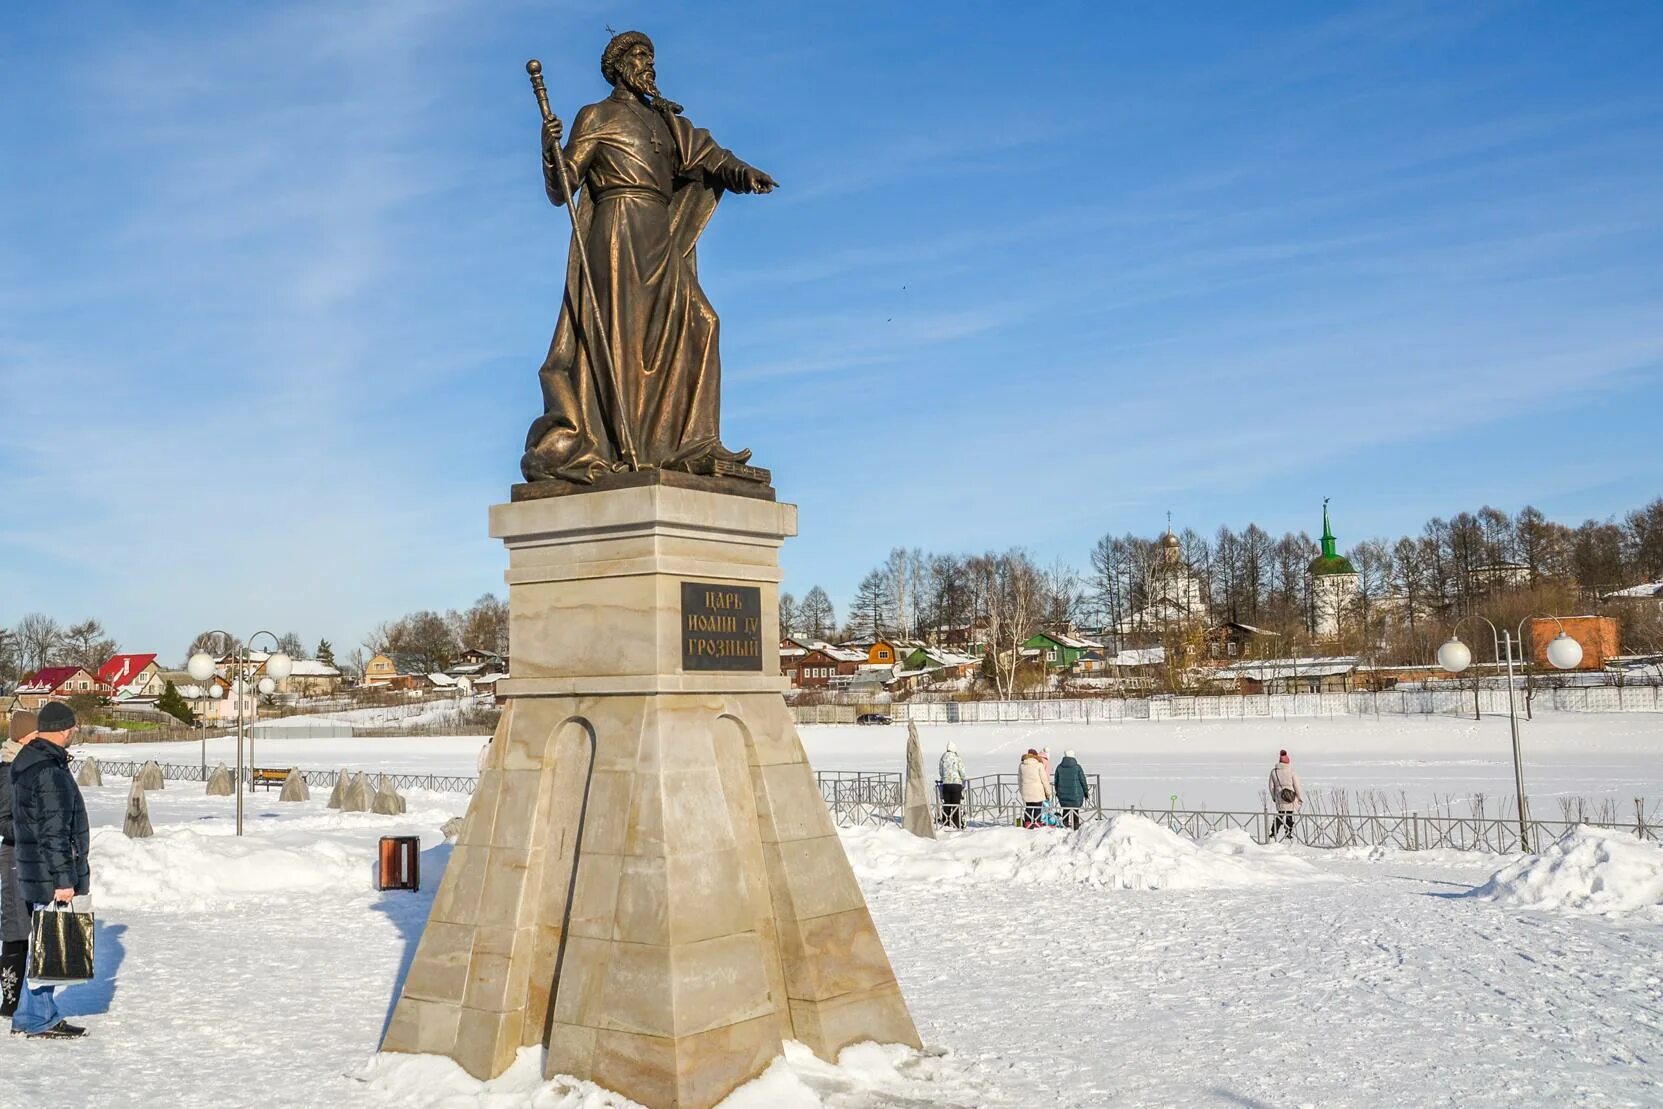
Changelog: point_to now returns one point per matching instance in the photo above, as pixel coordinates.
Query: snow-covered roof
(1138, 656)
(47, 679)
(1272, 668)
(1644, 589)
(441, 681)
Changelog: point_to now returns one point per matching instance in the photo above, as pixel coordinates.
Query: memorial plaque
(721, 627)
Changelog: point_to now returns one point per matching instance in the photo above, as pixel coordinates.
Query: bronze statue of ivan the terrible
(633, 376)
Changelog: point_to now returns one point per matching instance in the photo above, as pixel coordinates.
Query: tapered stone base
(647, 882)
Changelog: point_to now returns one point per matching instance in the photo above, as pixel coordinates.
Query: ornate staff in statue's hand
(608, 382)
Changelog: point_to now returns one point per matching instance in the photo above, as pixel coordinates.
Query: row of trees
(434, 641)
(1409, 590)
(38, 640)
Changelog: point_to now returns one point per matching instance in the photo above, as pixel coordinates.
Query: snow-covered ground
(1206, 764)
(1120, 965)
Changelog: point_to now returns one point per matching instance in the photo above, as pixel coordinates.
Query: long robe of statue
(650, 181)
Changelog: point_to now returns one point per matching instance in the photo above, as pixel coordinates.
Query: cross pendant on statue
(653, 134)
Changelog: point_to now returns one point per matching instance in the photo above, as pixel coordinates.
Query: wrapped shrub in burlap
(387, 801)
(220, 783)
(357, 796)
(90, 774)
(338, 794)
(137, 824)
(294, 787)
(150, 776)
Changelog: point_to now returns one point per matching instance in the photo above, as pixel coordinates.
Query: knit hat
(22, 723)
(55, 716)
(1068, 754)
(951, 746)
(1283, 757)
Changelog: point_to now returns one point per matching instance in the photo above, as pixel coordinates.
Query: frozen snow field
(1208, 764)
(1121, 965)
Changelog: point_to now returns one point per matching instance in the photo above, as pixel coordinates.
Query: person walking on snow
(1289, 795)
(49, 820)
(1035, 787)
(1071, 789)
(14, 916)
(951, 774)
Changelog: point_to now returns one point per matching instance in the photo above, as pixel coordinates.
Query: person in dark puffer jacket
(49, 822)
(14, 914)
(1072, 789)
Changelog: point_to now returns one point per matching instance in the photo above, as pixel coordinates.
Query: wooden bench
(265, 776)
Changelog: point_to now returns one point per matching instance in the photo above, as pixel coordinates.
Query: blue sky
(275, 280)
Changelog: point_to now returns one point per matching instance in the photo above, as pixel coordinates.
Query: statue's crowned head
(627, 63)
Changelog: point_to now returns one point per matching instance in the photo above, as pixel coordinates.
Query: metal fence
(867, 797)
(181, 772)
(995, 800)
(1278, 706)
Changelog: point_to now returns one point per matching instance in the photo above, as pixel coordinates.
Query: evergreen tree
(326, 652)
(174, 704)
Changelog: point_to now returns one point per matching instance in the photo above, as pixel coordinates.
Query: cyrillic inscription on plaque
(721, 627)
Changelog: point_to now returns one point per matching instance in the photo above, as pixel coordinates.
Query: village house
(1236, 640)
(812, 664)
(56, 683)
(381, 670)
(1060, 650)
(130, 678)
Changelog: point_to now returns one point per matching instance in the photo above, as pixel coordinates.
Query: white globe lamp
(280, 666)
(1454, 656)
(201, 666)
(1564, 652)
(267, 686)
(216, 692)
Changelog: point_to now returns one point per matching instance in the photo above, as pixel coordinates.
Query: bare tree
(38, 638)
(816, 615)
(214, 644)
(789, 616)
(869, 614)
(484, 627)
(291, 644)
(85, 645)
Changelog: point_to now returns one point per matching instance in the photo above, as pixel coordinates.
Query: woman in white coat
(1288, 795)
(1035, 784)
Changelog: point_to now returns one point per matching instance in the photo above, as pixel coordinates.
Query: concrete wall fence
(1274, 706)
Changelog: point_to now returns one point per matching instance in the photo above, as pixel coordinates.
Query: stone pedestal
(647, 881)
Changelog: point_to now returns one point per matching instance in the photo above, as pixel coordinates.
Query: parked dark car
(873, 718)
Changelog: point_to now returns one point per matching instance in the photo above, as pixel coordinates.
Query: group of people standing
(1067, 789)
(44, 843)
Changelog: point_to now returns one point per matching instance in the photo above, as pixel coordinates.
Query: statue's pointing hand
(758, 182)
(552, 132)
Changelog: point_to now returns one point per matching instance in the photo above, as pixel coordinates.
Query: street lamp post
(1564, 653)
(202, 667)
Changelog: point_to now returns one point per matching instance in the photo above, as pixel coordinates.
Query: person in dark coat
(14, 915)
(1072, 789)
(49, 822)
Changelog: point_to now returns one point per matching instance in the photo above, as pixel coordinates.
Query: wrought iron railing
(862, 797)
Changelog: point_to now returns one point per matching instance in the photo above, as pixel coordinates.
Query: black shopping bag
(60, 946)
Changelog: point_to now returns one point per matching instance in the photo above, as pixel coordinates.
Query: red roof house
(54, 683)
(130, 676)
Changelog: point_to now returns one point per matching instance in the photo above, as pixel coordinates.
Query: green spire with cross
(1330, 561)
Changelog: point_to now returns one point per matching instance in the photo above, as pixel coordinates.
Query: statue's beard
(637, 80)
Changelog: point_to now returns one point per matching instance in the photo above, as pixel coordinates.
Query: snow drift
(1587, 870)
(183, 869)
(1125, 852)
(864, 1074)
